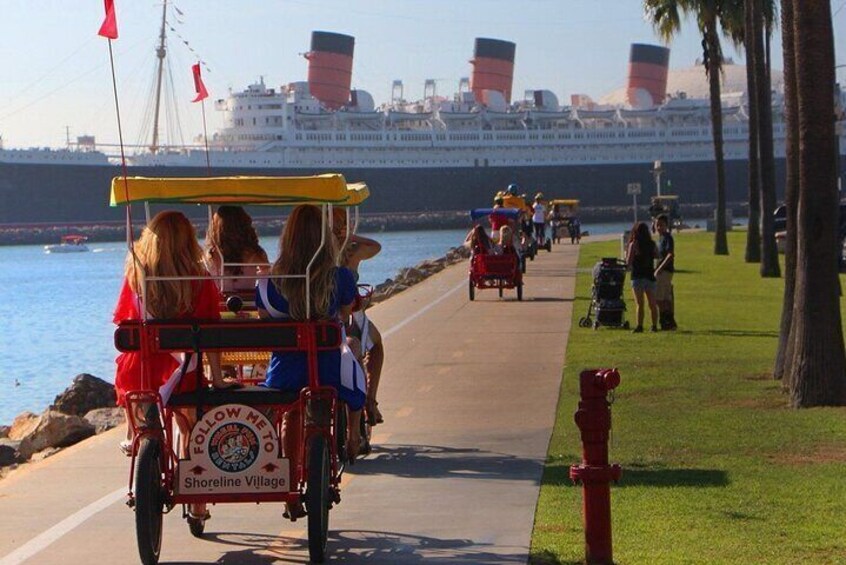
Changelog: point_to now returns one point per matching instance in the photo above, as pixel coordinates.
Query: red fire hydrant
(594, 420)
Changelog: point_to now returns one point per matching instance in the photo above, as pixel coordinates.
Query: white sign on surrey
(633, 188)
(233, 449)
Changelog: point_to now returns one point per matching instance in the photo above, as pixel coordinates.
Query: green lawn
(716, 468)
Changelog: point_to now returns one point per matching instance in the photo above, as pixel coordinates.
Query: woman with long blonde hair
(168, 247)
(332, 290)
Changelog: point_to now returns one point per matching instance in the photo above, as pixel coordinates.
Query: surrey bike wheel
(472, 290)
(149, 500)
(317, 498)
(197, 526)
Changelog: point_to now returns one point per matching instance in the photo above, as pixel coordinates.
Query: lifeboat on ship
(360, 109)
(397, 116)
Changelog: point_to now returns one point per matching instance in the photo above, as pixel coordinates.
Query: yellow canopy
(356, 194)
(511, 201)
(564, 202)
(279, 191)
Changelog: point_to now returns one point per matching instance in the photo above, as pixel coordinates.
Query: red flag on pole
(109, 27)
(199, 87)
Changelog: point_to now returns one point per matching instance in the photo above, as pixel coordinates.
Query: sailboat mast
(160, 53)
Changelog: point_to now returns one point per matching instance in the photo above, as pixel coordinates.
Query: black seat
(251, 395)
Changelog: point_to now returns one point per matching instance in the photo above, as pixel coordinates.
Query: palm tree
(818, 361)
(763, 94)
(784, 354)
(739, 29)
(744, 22)
(665, 16)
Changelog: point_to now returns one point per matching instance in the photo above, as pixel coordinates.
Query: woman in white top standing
(539, 219)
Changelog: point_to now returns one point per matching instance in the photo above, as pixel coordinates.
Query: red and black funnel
(330, 68)
(648, 68)
(493, 67)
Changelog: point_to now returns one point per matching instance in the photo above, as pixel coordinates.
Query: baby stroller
(607, 305)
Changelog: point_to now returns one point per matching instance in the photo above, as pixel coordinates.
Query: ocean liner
(437, 153)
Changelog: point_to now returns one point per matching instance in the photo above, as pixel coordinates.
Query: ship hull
(68, 193)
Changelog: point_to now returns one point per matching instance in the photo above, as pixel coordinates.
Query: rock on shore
(410, 276)
(86, 393)
(86, 407)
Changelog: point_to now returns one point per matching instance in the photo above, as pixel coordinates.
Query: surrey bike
(490, 270)
(235, 447)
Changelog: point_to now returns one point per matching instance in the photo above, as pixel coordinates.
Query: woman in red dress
(168, 247)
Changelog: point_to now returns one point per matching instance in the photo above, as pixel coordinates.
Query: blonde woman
(168, 247)
(332, 289)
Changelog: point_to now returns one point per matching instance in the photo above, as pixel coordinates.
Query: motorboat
(69, 244)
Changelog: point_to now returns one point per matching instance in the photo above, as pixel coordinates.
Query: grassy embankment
(716, 468)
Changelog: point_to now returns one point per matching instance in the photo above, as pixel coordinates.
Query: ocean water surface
(56, 309)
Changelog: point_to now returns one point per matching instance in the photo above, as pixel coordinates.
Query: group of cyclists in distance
(169, 247)
(515, 235)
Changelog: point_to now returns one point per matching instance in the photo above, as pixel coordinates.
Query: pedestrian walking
(664, 274)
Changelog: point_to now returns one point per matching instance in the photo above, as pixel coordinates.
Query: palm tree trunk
(784, 354)
(769, 251)
(819, 360)
(713, 65)
(753, 233)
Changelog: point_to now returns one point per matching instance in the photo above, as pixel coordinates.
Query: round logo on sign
(233, 447)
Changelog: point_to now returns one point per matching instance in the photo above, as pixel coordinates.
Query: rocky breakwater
(85, 408)
(410, 276)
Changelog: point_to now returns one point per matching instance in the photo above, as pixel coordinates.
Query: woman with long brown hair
(640, 258)
(232, 248)
(332, 291)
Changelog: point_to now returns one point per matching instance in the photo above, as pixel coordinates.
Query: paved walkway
(469, 397)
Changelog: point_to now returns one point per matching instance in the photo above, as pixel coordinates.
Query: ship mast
(160, 53)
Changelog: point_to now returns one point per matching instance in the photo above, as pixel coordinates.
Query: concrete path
(469, 394)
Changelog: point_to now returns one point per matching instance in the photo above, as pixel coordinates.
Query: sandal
(373, 415)
(126, 447)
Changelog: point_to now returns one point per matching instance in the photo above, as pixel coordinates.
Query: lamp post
(657, 170)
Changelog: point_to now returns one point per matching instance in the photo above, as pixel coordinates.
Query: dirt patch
(759, 377)
(825, 453)
(762, 401)
(652, 392)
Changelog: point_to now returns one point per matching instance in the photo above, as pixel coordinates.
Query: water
(56, 309)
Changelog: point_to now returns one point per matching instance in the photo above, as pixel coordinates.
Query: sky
(55, 74)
